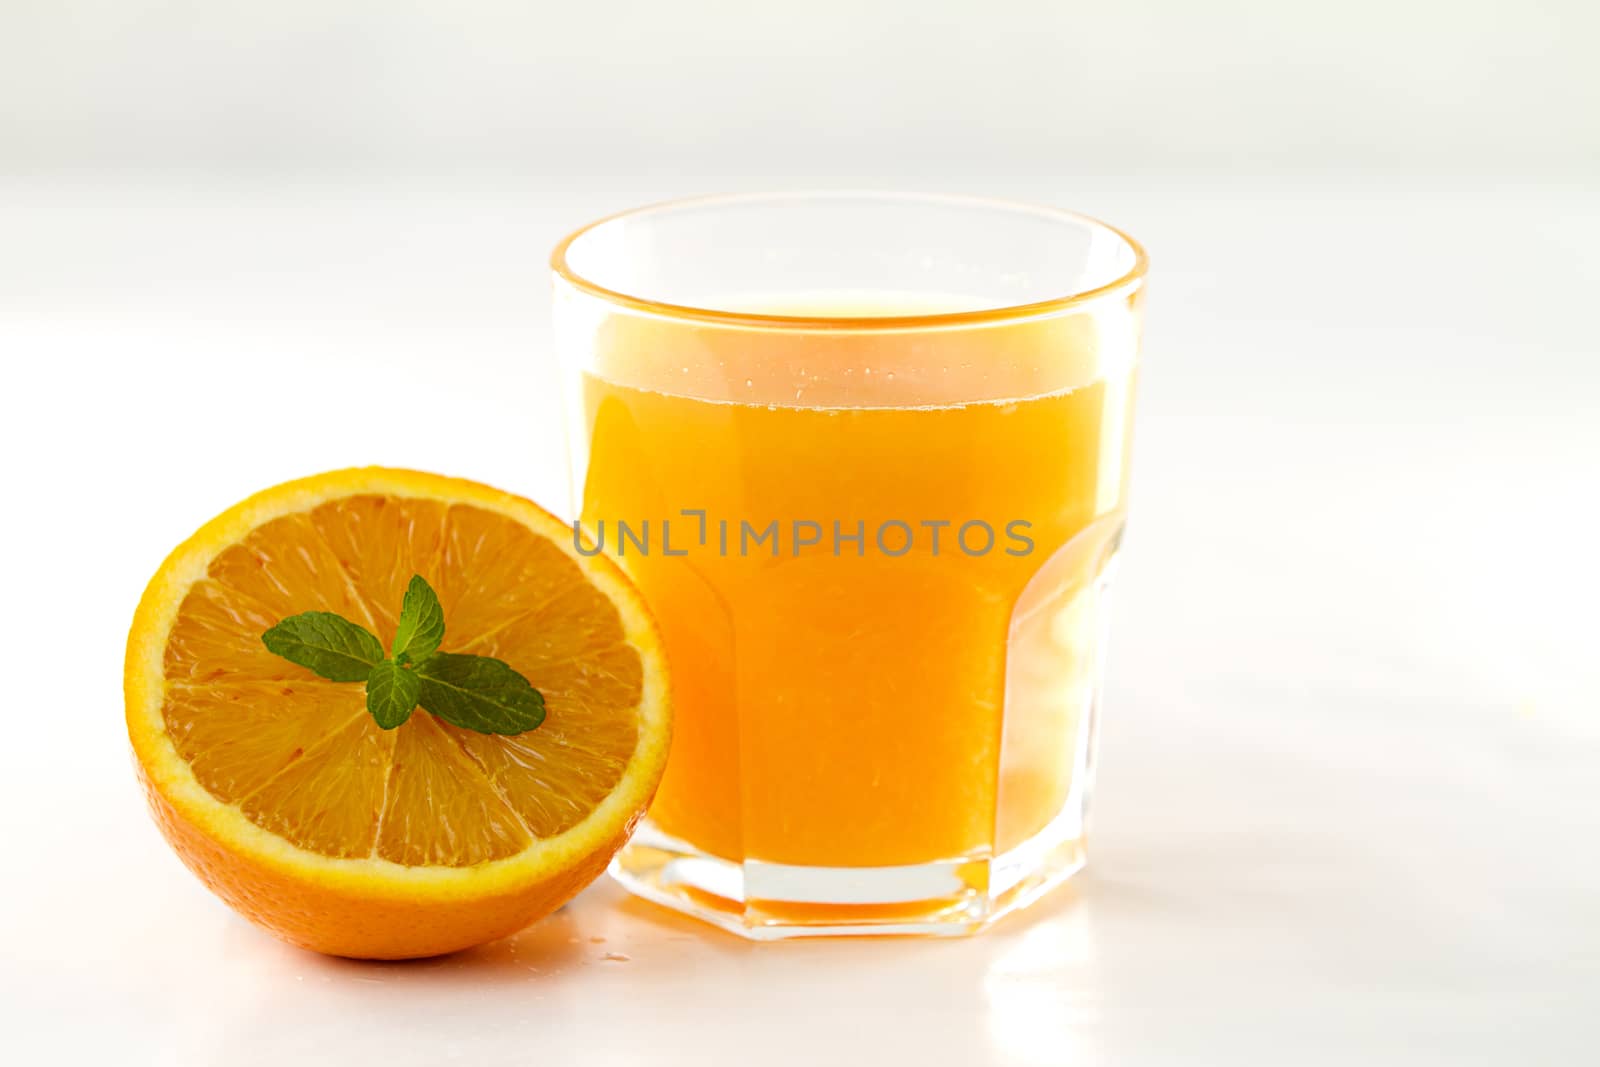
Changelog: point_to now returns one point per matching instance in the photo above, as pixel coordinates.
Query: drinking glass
(866, 457)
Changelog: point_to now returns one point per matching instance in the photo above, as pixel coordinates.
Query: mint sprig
(473, 692)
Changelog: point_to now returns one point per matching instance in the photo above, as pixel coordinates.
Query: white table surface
(1349, 807)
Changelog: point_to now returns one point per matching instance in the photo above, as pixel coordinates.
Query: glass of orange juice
(866, 456)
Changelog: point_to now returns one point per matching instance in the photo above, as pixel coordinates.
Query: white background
(1350, 786)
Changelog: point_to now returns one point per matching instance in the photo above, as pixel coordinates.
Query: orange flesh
(301, 757)
(844, 710)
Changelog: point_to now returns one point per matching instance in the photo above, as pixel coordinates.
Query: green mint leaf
(479, 693)
(472, 692)
(328, 644)
(392, 693)
(421, 622)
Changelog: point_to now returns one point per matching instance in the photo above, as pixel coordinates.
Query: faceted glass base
(770, 901)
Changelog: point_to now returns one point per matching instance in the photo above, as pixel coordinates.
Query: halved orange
(279, 790)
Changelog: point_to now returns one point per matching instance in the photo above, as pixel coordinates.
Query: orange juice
(904, 672)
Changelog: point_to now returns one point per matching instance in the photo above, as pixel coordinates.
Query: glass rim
(1128, 281)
